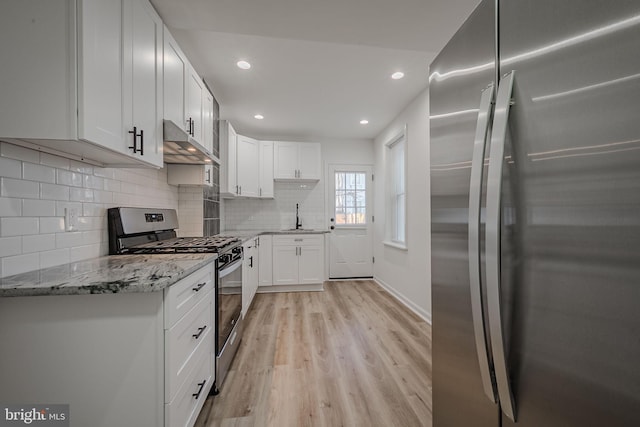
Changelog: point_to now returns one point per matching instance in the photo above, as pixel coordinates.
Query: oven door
(229, 301)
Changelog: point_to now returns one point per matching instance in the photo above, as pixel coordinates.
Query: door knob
(332, 227)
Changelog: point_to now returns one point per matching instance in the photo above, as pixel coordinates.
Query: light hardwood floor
(349, 356)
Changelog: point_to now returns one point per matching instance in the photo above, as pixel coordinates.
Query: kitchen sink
(299, 230)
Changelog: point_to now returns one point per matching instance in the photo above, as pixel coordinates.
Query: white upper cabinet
(207, 120)
(195, 105)
(175, 66)
(266, 169)
(228, 163)
(248, 163)
(142, 77)
(79, 88)
(297, 161)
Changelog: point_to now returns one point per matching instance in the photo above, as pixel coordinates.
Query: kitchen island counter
(106, 275)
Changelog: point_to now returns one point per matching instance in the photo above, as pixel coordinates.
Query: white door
(351, 214)
(285, 265)
(310, 264)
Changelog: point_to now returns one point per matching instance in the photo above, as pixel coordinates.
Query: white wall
(279, 213)
(407, 273)
(35, 189)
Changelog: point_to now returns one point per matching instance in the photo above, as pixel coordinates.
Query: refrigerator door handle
(475, 190)
(492, 242)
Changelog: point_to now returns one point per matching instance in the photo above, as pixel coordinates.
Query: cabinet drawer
(184, 295)
(298, 240)
(183, 410)
(184, 341)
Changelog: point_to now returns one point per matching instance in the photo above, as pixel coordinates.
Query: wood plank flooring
(349, 356)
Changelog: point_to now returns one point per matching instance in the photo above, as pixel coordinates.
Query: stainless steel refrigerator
(535, 220)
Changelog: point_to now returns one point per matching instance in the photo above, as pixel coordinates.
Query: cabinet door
(309, 162)
(246, 277)
(285, 265)
(142, 76)
(285, 160)
(100, 74)
(266, 169)
(247, 161)
(265, 267)
(38, 80)
(195, 109)
(175, 70)
(311, 265)
(232, 163)
(207, 126)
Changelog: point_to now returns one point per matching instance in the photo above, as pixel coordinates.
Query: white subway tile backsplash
(19, 153)
(112, 185)
(69, 239)
(83, 252)
(38, 243)
(80, 195)
(54, 192)
(53, 258)
(10, 168)
(10, 207)
(72, 179)
(61, 206)
(54, 161)
(51, 225)
(38, 207)
(20, 264)
(102, 196)
(95, 182)
(18, 188)
(80, 167)
(18, 226)
(10, 246)
(105, 172)
(35, 190)
(40, 173)
(93, 209)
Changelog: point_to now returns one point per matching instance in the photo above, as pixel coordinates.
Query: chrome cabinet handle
(494, 190)
(475, 190)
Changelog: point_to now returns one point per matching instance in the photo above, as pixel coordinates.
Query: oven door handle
(230, 268)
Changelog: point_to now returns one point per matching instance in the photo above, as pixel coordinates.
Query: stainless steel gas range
(153, 231)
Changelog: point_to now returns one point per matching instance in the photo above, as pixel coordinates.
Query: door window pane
(350, 197)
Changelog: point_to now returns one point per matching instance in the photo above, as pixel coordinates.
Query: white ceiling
(318, 66)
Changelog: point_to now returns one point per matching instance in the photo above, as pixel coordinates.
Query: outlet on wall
(71, 219)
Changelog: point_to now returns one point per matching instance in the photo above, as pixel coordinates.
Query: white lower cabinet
(265, 267)
(142, 359)
(250, 273)
(298, 259)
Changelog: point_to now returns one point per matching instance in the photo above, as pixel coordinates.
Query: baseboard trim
(423, 314)
(315, 287)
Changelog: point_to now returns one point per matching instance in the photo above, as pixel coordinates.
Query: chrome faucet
(298, 222)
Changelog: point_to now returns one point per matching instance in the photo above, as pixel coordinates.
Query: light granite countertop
(106, 275)
(250, 234)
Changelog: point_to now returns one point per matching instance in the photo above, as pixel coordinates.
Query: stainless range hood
(181, 148)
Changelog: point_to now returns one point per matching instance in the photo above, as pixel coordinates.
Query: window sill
(401, 246)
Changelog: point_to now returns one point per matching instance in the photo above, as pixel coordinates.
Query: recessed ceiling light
(258, 116)
(193, 150)
(397, 75)
(364, 122)
(207, 160)
(243, 65)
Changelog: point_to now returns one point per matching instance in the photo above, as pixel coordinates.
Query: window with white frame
(396, 191)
